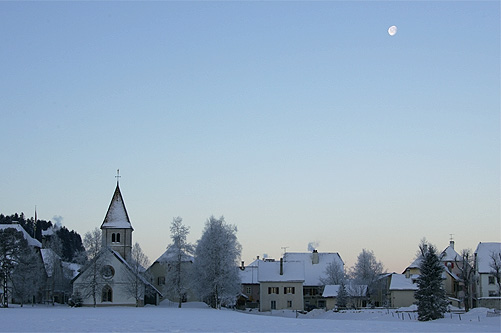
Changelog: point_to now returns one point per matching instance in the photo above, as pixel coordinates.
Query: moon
(392, 31)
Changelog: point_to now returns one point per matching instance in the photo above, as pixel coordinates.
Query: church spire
(116, 216)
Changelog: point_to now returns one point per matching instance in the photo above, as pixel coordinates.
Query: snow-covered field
(197, 317)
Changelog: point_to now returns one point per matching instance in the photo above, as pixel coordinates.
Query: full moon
(392, 30)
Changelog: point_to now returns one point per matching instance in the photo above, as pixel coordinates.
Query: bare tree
(334, 274)
(90, 282)
(495, 266)
(135, 281)
(465, 265)
(180, 252)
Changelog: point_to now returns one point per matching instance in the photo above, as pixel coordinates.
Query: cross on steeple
(118, 176)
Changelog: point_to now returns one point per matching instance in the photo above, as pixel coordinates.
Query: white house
(315, 265)
(280, 285)
(487, 288)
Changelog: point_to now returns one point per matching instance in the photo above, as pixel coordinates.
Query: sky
(299, 122)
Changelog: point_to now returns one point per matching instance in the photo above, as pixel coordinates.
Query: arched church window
(118, 238)
(113, 238)
(107, 294)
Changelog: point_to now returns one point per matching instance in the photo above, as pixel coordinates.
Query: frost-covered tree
(13, 248)
(465, 265)
(367, 268)
(138, 262)
(430, 296)
(495, 266)
(334, 274)
(179, 250)
(216, 261)
(93, 247)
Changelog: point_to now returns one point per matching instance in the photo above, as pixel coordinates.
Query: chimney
(314, 259)
(281, 266)
(257, 257)
(243, 266)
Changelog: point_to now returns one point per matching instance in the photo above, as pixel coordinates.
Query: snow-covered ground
(196, 317)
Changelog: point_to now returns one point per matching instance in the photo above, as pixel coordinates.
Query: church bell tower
(116, 228)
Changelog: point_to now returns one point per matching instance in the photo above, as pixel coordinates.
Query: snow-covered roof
(248, 275)
(400, 282)
(293, 271)
(31, 241)
(171, 255)
(117, 217)
(314, 272)
(483, 255)
(50, 259)
(72, 268)
(449, 254)
(332, 290)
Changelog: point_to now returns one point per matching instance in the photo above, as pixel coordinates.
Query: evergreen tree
(14, 249)
(342, 296)
(430, 296)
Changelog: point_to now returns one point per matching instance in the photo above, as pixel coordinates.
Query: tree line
(71, 247)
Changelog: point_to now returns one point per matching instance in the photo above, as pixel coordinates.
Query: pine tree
(430, 296)
(342, 296)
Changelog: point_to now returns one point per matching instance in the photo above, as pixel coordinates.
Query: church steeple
(116, 227)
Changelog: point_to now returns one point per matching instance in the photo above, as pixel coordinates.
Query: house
(401, 290)
(280, 285)
(356, 295)
(452, 283)
(249, 297)
(487, 288)
(56, 288)
(315, 265)
(113, 282)
(158, 273)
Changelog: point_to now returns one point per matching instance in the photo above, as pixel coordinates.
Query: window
(249, 290)
(272, 290)
(118, 238)
(273, 305)
(289, 304)
(107, 272)
(161, 280)
(107, 295)
(491, 280)
(289, 290)
(492, 293)
(113, 238)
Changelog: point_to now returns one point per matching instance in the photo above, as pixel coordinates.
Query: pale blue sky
(297, 121)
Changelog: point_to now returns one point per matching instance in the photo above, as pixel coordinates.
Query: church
(110, 279)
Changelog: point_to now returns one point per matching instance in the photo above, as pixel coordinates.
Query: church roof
(117, 217)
